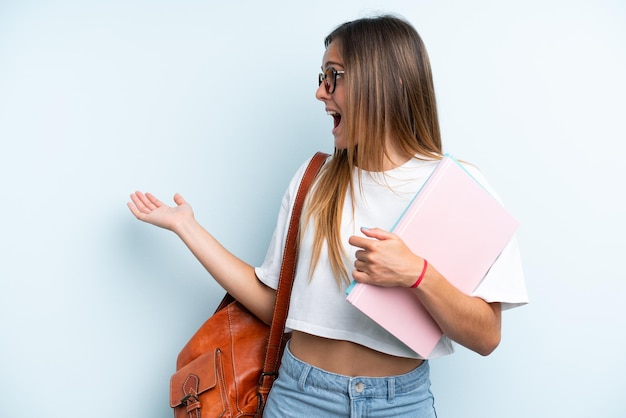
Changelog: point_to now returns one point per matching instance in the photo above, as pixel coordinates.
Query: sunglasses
(329, 78)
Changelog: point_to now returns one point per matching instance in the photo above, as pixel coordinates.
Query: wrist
(184, 226)
(421, 276)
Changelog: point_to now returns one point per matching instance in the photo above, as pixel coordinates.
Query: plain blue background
(215, 100)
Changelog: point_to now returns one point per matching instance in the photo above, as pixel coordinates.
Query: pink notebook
(455, 224)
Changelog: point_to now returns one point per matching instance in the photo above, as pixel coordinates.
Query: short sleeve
(269, 272)
(505, 281)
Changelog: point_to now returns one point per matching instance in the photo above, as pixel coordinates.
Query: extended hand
(384, 259)
(147, 208)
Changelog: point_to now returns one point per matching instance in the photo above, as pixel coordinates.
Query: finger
(178, 199)
(377, 233)
(360, 255)
(360, 276)
(153, 202)
(360, 242)
(138, 201)
(139, 215)
(146, 204)
(360, 266)
(357, 263)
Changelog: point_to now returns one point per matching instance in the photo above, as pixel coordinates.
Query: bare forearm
(385, 260)
(233, 274)
(468, 320)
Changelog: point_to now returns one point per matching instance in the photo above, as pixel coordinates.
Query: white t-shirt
(318, 305)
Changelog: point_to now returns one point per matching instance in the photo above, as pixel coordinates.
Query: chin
(340, 143)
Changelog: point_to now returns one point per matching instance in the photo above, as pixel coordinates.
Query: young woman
(377, 86)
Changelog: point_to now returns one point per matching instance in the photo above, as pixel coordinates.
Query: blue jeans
(302, 390)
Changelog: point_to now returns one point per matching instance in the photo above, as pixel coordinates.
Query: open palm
(146, 207)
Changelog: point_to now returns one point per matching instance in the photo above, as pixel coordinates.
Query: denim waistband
(388, 387)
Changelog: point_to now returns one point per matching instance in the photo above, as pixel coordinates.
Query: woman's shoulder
(299, 173)
(478, 175)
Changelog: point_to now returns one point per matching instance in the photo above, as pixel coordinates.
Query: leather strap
(190, 400)
(285, 282)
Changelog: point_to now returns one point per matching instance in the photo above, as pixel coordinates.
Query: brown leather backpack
(229, 365)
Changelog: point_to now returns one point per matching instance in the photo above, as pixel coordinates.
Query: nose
(321, 93)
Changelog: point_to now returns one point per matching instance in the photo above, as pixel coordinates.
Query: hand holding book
(456, 225)
(384, 259)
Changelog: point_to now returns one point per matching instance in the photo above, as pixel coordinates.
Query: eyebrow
(331, 63)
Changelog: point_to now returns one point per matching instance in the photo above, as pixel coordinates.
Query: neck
(394, 159)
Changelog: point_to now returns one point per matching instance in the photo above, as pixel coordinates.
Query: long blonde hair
(389, 93)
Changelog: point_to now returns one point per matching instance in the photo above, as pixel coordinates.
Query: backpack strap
(285, 283)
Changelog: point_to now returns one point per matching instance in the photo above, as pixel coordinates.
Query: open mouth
(336, 118)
